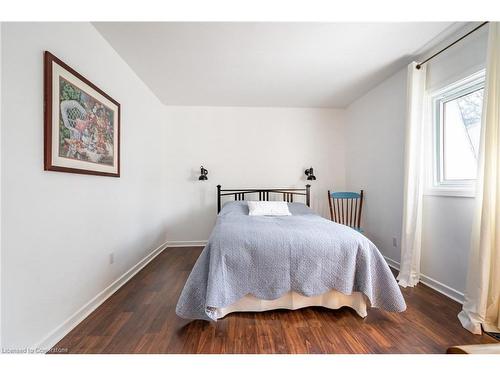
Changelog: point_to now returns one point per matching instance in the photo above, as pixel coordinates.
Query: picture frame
(81, 123)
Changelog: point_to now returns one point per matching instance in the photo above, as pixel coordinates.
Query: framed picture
(82, 123)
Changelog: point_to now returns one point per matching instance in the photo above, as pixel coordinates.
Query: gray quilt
(268, 256)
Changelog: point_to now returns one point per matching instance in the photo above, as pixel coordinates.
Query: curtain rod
(419, 65)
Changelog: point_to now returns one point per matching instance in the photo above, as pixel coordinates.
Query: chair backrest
(345, 207)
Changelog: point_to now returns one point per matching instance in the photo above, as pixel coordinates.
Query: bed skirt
(293, 301)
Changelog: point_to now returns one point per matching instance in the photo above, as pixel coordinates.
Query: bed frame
(264, 194)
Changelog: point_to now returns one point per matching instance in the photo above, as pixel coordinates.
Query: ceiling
(268, 64)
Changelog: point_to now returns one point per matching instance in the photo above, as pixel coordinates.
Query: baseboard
(443, 289)
(62, 330)
(432, 283)
(392, 263)
(186, 243)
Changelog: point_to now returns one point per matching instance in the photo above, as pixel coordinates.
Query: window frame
(438, 185)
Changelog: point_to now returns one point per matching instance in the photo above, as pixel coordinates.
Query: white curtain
(482, 297)
(409, 274)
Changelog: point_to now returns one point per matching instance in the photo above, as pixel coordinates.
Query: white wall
(374, 161)
(446, 229)
(246, 147)
(59, 228)
(466, 58)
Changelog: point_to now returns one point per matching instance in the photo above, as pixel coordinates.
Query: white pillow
(270, 208)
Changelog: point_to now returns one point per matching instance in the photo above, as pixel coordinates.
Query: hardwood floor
(140, 318)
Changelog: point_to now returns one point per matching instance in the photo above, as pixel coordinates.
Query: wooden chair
(345, 208)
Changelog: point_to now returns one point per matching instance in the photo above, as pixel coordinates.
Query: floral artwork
(86, 126)
(81, 123)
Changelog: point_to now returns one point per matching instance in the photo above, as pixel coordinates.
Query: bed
(259, 263)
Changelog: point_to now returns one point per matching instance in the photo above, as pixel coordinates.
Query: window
(457, 127)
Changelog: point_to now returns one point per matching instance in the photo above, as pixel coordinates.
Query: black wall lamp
(310, 174)
(203, 174)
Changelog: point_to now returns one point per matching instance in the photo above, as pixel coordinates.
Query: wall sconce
(203, 174)
(310, 174)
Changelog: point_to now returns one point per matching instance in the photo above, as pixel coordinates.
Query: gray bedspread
(268, 256)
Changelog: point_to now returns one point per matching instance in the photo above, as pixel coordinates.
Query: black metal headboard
(287, 194)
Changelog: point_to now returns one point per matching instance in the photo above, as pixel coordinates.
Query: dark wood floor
(140, 318)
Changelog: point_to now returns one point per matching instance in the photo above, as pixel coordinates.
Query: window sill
(450, 192)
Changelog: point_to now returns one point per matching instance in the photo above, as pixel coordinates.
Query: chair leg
(330, 204)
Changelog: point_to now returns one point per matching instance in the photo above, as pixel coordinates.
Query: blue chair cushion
(345, 195)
